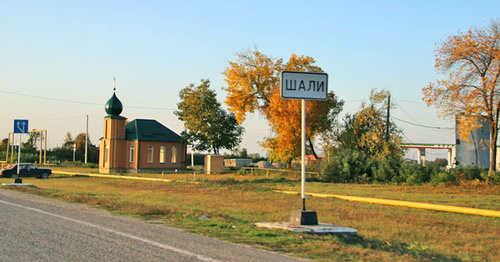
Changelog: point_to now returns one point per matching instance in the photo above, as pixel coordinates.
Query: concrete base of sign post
(18, 184)
(303, 218)
(311, 229)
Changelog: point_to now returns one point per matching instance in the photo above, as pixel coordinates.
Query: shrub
(351, 166)
(347, 166)
(90, 165)
(415, 174)
(443, 177)
(78, 164)
(468, 173)
(493, 179)
(386, 170)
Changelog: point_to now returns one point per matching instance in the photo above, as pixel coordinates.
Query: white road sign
(304, 85)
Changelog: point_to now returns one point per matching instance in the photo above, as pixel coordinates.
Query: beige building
(139, 146)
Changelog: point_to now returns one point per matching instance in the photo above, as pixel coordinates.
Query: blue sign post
(20, 127)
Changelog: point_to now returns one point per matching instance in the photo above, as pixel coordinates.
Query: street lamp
(74, 150)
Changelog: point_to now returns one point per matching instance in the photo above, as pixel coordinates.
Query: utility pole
(388, 136)
(192, 157)
(86, 138)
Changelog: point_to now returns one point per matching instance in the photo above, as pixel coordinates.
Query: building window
(150, 154)
(162, 154)
(174, 155)
(131, 154)
(106, 153)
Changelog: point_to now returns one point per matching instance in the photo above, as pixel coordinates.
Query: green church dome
(114, 107)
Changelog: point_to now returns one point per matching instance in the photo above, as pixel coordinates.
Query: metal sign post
(304, 86)
(20, 127)
(303, 154)
(19, 155)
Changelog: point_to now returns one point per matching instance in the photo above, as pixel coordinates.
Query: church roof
(114, 107)
(149, 130)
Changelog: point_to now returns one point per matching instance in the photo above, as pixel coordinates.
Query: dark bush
(443, 178)
(415, 174)
(468, 173)
(347, 166)
(386, 170)
(493, 179)
(351, 166)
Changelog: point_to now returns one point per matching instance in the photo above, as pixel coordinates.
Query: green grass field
(235, 202)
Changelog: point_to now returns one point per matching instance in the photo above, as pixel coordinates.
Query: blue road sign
(20, 126)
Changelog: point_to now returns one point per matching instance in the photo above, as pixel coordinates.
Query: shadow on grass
(416, 250)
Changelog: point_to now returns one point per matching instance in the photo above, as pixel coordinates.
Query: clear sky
(53, 52)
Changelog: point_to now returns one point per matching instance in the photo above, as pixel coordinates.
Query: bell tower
(112, 145)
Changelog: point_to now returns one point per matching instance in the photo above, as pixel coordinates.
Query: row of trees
(30, 149)
(470, 91)
(253, 86)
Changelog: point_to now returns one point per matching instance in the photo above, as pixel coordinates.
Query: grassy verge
(234, 203)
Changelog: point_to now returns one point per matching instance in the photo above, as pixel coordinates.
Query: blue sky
(71, 50)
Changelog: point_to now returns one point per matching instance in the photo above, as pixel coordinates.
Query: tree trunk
(493, 147)
(312, 148)
(216, 151)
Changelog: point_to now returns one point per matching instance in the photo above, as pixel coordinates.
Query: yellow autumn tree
(253, 85)
(470, 90)
(250, 80)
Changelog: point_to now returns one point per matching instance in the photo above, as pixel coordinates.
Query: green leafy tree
(208, 126)
(30, 145)
(366, 130)
(92, 150)
(3, 144)
(65, 152)
(68, 141)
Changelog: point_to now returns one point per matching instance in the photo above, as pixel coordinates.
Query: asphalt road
(38, 229)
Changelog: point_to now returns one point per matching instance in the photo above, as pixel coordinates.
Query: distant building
(141, 145)
(237, 162)
(263, 164)
(475, 151)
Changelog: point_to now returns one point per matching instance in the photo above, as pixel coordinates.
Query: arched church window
(150, 154)
(174, 155)
(162, 154)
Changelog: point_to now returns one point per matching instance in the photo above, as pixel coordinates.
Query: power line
(49, 98)
(404, 111)
(352, 101)
(79, 102)
(410, 123)
(407, 137)
(409, 101)
(45, 119)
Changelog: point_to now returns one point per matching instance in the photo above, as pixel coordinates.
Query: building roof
(149, 130)
(114, 107)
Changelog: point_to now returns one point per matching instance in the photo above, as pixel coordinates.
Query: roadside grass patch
(234, 205)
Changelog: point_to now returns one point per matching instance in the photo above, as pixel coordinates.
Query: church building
(142, 145)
